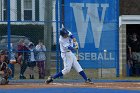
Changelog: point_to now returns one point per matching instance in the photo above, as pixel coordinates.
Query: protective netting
(31, 42)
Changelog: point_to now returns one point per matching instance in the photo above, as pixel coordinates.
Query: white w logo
(92, 16)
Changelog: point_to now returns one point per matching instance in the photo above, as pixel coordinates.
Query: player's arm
(76, 46)
(67, 46)
(71, 48)
(72, 36)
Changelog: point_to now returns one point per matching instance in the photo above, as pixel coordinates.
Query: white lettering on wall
(96, 56)
(92, 15)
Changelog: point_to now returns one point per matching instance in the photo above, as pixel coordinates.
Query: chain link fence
(25, 24)
(28, 24)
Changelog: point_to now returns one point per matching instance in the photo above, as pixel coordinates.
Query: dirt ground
(113, 85)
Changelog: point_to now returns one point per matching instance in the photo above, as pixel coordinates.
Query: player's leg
(67, 67)
(79, 69)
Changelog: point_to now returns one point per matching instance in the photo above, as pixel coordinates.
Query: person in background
(41, 57)
(22, 57)
(134, 50)
(32, 61)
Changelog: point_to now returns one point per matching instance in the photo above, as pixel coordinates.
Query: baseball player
(66, 40)
(5, 71)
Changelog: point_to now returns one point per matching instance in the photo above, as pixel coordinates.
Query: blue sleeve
(71, 36)
(70, 48)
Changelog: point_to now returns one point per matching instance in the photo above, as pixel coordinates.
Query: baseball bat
(77, 54)
(77, 51)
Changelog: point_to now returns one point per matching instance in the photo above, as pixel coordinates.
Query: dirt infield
(113, 85)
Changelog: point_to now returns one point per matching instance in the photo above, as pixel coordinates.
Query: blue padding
(67, 90)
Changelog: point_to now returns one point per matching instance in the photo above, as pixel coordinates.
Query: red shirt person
(22, 57)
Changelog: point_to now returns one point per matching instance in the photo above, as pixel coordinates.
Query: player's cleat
(22, 77)
(49, 80)
(7, 82)
(88, 81)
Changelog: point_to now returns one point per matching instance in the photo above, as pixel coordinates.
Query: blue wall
(95, 25)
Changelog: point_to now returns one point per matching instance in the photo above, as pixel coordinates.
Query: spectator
(134, 50)
(41, 49)
(22, 57)
(31, 62)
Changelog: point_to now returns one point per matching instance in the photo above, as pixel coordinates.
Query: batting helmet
(63, 32)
